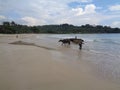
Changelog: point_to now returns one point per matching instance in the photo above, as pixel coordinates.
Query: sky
(47, 12)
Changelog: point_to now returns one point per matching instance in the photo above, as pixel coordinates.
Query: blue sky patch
(74, 4)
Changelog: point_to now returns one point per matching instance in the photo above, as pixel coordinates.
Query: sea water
(102, 51)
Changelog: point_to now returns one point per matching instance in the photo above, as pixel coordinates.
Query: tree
(13, 28)
(13, 23)
(35, 29)
(6, 23)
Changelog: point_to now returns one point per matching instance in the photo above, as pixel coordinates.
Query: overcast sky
(76, 12)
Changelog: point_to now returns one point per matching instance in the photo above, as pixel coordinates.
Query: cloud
(78, 11)
(40, 12)
(67, 1)
(79, 16)
(89, 9)
(30, 20)
(116, 24)
(2, 17)
(114, 8)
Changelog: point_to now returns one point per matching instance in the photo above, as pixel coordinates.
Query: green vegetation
(13, 28)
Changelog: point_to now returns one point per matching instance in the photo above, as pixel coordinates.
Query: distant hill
(13, 28)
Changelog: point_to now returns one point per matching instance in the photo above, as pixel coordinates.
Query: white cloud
(116, 24)
(67, 1)
(30, 20)
(40, 12)
(2, 17)
(58, 14)
(115, 8)
(78, 11)
(89, 9)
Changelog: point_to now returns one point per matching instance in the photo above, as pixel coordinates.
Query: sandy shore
(27, 66)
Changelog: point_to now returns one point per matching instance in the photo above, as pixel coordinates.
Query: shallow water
(102, 51)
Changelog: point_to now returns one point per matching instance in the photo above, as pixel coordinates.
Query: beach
(30, 64)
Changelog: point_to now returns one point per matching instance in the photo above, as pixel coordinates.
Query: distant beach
(39, 62)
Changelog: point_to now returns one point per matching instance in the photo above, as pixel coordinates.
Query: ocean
(102, 51)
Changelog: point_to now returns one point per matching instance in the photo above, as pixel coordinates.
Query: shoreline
(24, 67)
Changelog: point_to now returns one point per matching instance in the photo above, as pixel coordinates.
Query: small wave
(104, 53)
(110, 41)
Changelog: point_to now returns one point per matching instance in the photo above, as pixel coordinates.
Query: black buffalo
(65, 41)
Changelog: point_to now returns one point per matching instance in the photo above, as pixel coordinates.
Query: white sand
(27, 67)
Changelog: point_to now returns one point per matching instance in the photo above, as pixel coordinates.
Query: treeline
(13, 28)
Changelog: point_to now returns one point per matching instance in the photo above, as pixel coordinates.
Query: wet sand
(29, 67)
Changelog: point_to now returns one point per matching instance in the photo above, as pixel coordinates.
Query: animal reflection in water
(73, 40)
